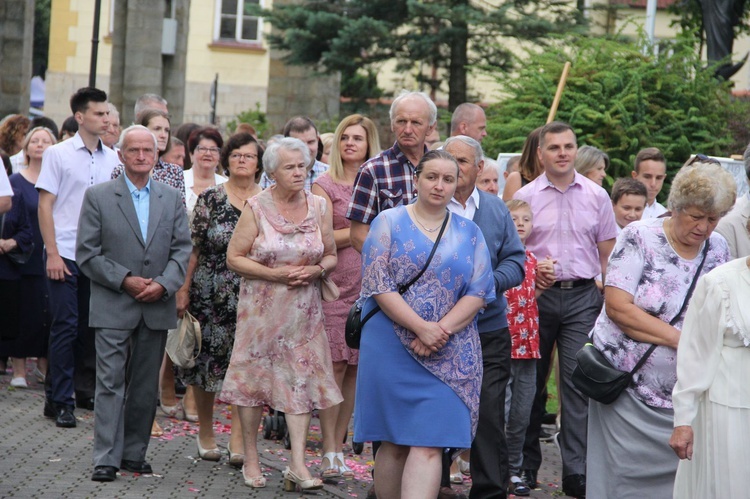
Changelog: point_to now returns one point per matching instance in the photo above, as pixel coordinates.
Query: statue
(719, 19)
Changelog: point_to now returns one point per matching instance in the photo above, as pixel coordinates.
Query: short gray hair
(113, 111)
(271, 155)
(492, 164)
(705, 186)
(143, 103)
(133, 128)
(464, 113)
(406, 94)
(478, 153)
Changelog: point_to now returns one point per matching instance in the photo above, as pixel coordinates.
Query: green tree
(433, 40)
(619, 100)
(41, 35)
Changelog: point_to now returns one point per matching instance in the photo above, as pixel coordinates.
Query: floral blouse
(644, 265)
(523, 314)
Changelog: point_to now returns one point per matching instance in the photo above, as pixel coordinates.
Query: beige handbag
(184, 341)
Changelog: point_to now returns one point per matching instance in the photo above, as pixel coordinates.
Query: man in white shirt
(650, 169)
(68, 169)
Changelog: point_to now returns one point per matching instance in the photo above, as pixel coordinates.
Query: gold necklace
(416, 217)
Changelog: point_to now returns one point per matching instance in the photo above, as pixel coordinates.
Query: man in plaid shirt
(387, 180)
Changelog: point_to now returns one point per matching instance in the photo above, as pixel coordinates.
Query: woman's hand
(183, 301)
(682, 442)
(295, 275)
(433, 336)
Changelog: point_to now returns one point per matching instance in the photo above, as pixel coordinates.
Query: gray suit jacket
(110, 247)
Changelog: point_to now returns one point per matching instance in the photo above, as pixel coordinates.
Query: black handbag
(595, 377)
(355, 322)
(16, 256)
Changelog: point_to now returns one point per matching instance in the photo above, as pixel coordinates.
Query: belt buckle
(566, 284)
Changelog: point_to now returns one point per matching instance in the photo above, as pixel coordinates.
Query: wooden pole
(558, 94)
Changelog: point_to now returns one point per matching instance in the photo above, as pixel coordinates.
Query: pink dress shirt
(569, 224)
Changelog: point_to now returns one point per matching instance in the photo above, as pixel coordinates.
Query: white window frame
(238, 25)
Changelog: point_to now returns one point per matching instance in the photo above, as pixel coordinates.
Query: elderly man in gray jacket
(134, 245)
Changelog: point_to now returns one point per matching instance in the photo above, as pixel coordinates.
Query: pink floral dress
(281, 356)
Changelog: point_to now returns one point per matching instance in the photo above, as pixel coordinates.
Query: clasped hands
(545, 273)
(142, 289)
(294, 276)
(431, 338)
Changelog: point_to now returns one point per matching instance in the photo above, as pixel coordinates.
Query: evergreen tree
(433, 40)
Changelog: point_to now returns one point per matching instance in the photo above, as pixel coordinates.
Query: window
(235, 22)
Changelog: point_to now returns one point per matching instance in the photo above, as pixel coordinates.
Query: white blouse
(190, 196)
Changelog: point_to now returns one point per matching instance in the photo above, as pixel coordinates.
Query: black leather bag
(17, 256)
(355, 322)
(595, 377)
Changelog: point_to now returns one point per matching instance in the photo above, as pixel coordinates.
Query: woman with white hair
(282, 247)
(648, 285)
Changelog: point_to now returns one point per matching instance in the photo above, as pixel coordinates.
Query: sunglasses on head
(702, 158)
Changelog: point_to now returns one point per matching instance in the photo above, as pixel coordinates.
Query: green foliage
(619, 100)
(41, 35)
(429, 38)
(254, 117)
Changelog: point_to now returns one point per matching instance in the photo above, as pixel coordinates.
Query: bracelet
(322, 271)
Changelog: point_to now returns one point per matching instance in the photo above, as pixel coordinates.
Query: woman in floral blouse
(650, 272)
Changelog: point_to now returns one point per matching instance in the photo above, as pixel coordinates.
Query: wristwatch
(322, 271)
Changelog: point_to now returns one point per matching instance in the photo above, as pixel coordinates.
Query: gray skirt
(628, 450)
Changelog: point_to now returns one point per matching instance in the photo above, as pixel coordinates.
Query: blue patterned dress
(403, 398)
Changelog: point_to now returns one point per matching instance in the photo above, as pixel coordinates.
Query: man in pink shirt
(575, 225)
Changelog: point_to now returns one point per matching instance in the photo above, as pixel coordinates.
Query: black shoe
(549, 418)
(544, 436)
(49, 410)
(358, 447)
(449, 493)
(85, 403)
(179, 387)
(65, 418)
(529, 478)
(141, 467)
(518, 488)
(104, 474)
(574, 485)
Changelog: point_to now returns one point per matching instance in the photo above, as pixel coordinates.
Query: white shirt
(68, 169)
(5, 188)
(18, 161)
(190, 196)
(472, 204)
(653, 211)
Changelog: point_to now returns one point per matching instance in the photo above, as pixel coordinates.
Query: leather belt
(572, 284)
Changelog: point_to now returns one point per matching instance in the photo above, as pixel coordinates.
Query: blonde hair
(336, 166)
(517, 204)
(28, 139)
(705, 186)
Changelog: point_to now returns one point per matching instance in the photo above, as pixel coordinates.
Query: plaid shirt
(384, 181)
(316, 171)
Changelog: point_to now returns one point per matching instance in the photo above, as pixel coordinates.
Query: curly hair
(12, 132)
(706, 186)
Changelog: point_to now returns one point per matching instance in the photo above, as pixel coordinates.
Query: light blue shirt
(141, 201)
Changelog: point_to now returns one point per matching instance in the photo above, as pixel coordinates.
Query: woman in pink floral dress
(282, 246)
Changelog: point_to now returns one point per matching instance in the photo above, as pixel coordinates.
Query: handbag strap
(402, 288)
(682, 308)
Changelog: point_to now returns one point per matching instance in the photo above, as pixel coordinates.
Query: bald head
(469, 119)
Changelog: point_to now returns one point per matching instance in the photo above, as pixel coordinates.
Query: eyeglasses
(211, 150)
(702, 158)
(246, 157)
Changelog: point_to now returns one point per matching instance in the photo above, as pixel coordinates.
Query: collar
(132, 188)
(473, 196)
(78, 142)
(577, 180)
(401, 156)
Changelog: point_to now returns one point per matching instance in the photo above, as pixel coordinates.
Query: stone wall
(16, 52)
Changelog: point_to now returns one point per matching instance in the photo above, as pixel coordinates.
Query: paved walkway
(38, 459)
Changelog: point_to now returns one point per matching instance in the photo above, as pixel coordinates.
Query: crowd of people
(472, 275)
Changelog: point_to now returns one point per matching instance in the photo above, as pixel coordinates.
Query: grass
(552, 392)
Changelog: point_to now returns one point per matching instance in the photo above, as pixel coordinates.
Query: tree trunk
(457, 93)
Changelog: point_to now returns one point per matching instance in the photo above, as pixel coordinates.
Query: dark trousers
(72, 354)
(565, 317)
(489, 451)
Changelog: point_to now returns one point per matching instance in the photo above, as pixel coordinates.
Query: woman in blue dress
(420, 368)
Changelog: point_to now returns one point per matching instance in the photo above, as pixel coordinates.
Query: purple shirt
(569, 224)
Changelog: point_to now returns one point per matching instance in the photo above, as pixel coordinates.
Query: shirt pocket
(390, 199)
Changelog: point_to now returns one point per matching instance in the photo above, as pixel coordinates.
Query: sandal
(256, 482)
(345, 470)
(464, 466)
(235, 459)
(156, 430)
(292, 482)
(457, 478)
(332, 470)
